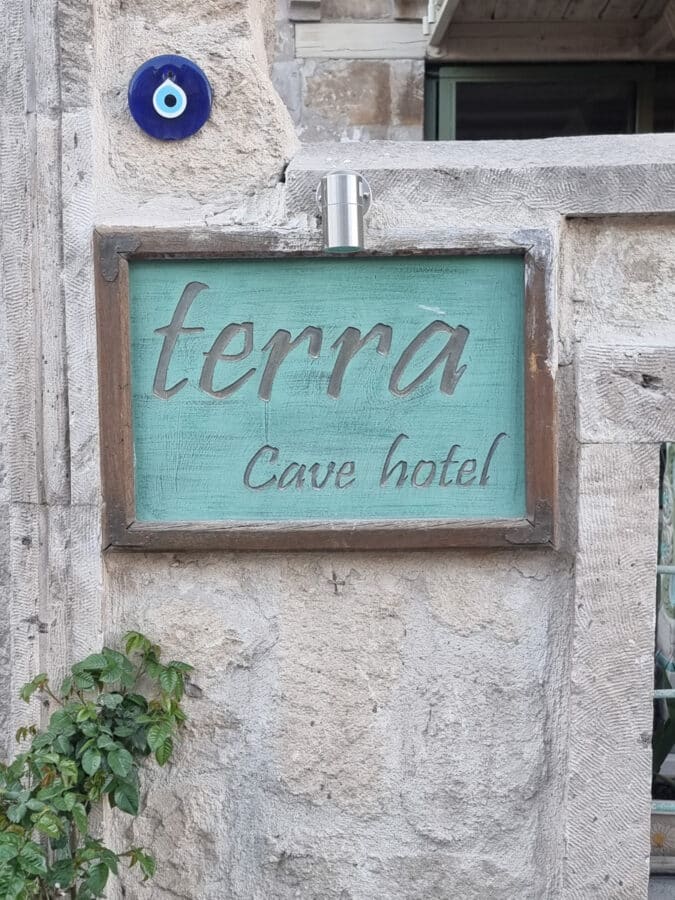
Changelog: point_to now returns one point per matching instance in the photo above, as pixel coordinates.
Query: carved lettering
(346, 470)
(485, 474)
(467, 469)
(350, 342)
(451, 353)
(216, 355)
(171, 332)
(388, 470)
(279, 346)
(294, 473)
(447, 462)
(431, 466)
(314, 471)
(274, 456)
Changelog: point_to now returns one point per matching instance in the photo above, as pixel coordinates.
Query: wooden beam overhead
(369, 40)
(662, 33)
(567, 41)
(443, 20)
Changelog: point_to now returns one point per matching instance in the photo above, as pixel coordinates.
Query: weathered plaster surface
(446, 725)
(341, 697)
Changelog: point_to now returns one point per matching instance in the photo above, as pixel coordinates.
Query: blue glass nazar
(170, 97)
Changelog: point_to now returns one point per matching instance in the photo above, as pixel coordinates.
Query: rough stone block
(350, 95)
(607, 831)
(620, 274)
(407, 89)
(362, 99)
(626, 392)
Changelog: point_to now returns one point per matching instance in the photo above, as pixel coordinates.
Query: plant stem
(49, 691)
(74, 840)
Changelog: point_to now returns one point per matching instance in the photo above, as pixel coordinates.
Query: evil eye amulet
(170, 97)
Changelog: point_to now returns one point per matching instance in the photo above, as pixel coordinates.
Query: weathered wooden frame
(113, 250)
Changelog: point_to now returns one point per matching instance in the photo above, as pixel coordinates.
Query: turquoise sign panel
(328, 389)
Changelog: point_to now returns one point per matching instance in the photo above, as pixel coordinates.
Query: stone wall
(456, 724)
(350, 99)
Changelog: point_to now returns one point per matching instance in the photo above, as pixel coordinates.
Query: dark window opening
(510, 102)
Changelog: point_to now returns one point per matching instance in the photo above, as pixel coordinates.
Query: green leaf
(11, 838)
(66, 686)
(92, 663)
(133, 641)
(62, 873)
(80, 818)
(55, 789)
(118, 668)
(47, 758)
(112, 674)
(168, 678)
(157, 735)
(25, 732)
(60, 843)
(147, 864)
(16, 813)
(49, 824)
(36, 684)
(139, 740)
(15, 889)
(61, 721)
(124, 730)
(84, 681)
(84, 747)
(63, 745)
(182, 667)
(153, 666)
(125, 796)
(105, 742)
(91, 761)
(32, 859)
(96, 878)
(111, 701)
(110, 859)
(88, 711)
(164, 751)
(137, 700)
(42, 740)
(65, 803)
(69, 771)
(129, 675)
(7, 852)
(120, 762)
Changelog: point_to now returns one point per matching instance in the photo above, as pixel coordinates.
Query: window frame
(441, 88)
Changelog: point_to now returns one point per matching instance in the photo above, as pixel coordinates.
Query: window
(663, 741)
(510, 102)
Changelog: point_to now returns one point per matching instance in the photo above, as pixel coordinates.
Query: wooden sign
(303, 401)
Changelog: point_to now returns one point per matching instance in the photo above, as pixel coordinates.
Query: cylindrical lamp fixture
(344, 199)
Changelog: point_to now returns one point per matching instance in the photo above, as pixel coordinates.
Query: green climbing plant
(112, 712)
